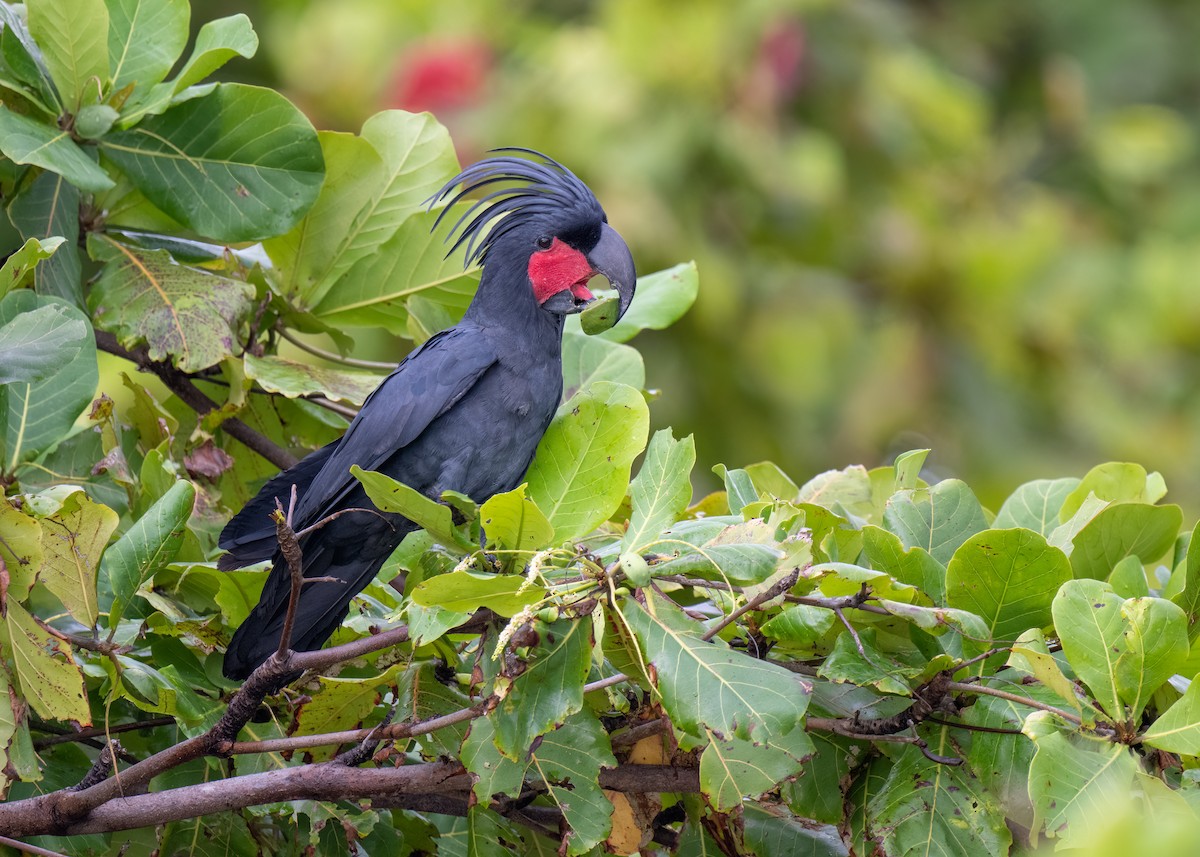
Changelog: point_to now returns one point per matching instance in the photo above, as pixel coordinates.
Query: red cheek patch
(559, 267)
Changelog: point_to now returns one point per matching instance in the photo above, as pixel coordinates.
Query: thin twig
(180, 383)
(289, 548)
(99, 731)
(778, 588)
(330, 356)
(26, 848)
(962, 687)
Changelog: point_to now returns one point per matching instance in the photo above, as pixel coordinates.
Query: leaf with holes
(44, 669)
(144, 296)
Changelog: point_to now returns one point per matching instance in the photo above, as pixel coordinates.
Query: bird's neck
(505, 302)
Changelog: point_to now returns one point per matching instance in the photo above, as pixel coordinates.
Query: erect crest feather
(531, 188)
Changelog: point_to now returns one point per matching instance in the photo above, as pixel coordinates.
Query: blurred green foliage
(970, 226)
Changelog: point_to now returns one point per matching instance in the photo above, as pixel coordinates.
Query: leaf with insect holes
(144, 296)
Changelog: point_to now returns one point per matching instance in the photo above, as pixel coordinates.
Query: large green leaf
(587, 359)
(37, 344)
(25, 141)
(707, 688)
(73, 37)
(1008, 577)
(1114, 482)
(929, 808)
(548, 689)
(417, 159)
(303, 256)
(911, 565)
(1073, 779)
(732, 769)
(42, 664)
(1122, 649)
(240, 163)
(581, 469)
(662, 489)
(1035, 505)
(662, 298)
(73, 539)
(435, 518)
(769, 832)
(35, 416)
(1185, 584)
(47, 209)
(148, 545)
(292, 378)
(341, 704)
(145, 38)
(1121, 530)
(411, 264)
(936, 519)
(513, 522)
(182, 313)
(1178, 729)
(466, 592)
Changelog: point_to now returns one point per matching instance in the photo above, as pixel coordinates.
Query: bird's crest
(532, 187)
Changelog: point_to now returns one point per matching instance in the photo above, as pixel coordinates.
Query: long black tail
(322, 608)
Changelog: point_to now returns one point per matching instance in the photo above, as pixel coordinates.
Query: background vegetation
(970, 226)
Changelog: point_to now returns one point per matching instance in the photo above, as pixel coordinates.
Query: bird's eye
(544, 242)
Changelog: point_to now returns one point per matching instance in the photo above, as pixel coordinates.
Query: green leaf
(513, 522)
(145, 38)
(383, 288)
(217, 43)
(417, 159)
(928, 808)
(1121, 530)
(739, 488)
(846, 664)
(587, 359)
(304, 256)
(1071, 777)
(1009, 577)
(1188, 594)
(240, 163)
(817, 792)
(600, 315)
(708, 688)
(73, 539)
(770, 480)
(183, 313)
(912, 565)
(662, 490)
(1035, 505)
(20, 550)
(1122, 649)
(25, 141)
(768, 833)
(45, 672)
(937, 519)
(37, 344)
(1032, 656)
(72, 35)
(1115, 482)
(341, 704)
(549, 688)
(741, 563)
(292, 378)
(466, 592)
(662, 299)
(732, 769)
(152, 542)
(49, 209)
(581, 469)
(21, 263)
(1178, 729)
(1128, 578)
(25, 61)
(435, 518)
(801, 625)
(849, 488)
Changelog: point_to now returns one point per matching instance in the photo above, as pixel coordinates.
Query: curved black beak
(611, 258)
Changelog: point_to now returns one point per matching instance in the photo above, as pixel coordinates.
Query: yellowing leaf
(47, 674)
(73, 539)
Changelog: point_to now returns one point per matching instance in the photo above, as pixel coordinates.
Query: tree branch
(181, 385)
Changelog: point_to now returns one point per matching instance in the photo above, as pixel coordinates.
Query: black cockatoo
(463, 412)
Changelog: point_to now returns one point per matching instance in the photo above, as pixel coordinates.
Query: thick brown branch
(181, 385)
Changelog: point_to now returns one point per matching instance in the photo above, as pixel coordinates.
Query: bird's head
(550, 225)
